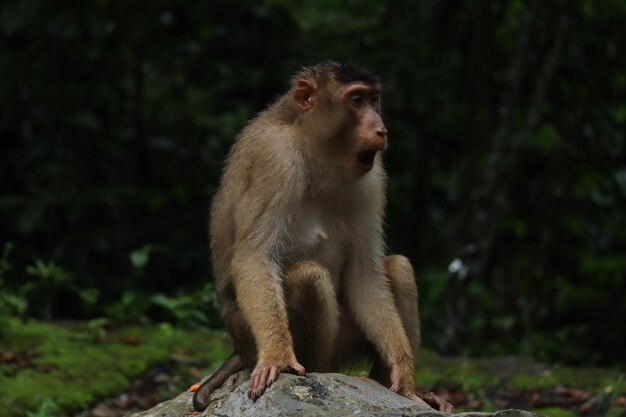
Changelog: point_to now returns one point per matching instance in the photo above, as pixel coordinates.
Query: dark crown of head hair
(343, 72)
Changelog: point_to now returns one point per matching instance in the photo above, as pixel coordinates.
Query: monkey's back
(262, 167)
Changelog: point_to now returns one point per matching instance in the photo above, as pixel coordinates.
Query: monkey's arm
(260, 298)
(262, 216)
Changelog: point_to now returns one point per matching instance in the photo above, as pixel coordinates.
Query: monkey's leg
(313, 314)
(401, 278)
(240, 332)
(201, 398)
(399, 272)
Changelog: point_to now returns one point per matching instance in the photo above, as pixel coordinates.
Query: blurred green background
(507, 156)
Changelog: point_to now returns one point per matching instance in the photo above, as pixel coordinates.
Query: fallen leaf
(43, 368)
(196, 372)
(123, 402)
(535, 399)
(102, 410)
(572, 392)
(130, 340)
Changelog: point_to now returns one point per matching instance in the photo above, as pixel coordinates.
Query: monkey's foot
(436, 402)
(405, 386)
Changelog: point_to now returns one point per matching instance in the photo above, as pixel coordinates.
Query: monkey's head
(339, 104)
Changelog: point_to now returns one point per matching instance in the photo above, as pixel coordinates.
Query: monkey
(296, 236)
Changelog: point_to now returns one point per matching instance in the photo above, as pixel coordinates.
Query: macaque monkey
(297, 241)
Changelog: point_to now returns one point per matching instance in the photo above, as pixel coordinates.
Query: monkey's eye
(357, 100)
(374, 100)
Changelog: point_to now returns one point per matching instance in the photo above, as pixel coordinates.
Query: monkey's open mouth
(366, 158)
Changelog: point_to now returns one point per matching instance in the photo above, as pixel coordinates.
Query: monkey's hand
(405, 386)
(265, 373)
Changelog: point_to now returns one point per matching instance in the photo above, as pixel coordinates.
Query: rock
(323, 395)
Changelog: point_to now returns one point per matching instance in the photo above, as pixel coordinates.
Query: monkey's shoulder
(261, 180)
(268, 148)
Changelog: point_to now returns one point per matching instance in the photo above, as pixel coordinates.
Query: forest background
(507, 156)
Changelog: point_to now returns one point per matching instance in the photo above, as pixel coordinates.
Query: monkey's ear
(303, 95)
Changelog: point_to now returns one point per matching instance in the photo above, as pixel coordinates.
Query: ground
(77, 369)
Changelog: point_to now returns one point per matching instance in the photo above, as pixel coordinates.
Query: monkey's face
(367, 134)
(345, 121)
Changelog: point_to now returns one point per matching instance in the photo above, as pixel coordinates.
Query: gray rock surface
(327, 395)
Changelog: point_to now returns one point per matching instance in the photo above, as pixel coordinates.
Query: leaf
(139, 258)
(549, 139)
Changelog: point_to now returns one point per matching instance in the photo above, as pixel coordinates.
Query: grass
(476, 377)
(554, 412)
(74, 369)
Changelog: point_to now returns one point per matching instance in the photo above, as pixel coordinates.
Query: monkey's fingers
(274, 371)
(264, 376)
(297, 369)
(396, 382)
(394, 387)
(292, 369)
(258, 381)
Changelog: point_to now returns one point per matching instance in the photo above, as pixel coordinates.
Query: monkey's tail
(201, 398)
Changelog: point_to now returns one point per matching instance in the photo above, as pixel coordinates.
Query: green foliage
(49, 274)
(48, 408)
(181, 308)
(89, 297)
(548, 139)
(130, 308)
(5, 265)
(97, 328)
(190, 310)
(534, 382)
(50, 278)
(140, 257)
(11, 303)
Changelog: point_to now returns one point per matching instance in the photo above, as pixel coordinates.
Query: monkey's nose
(381, 132)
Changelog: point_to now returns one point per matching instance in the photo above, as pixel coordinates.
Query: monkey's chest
(317, 238)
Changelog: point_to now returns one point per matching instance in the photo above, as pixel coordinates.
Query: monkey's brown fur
(297, 240)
